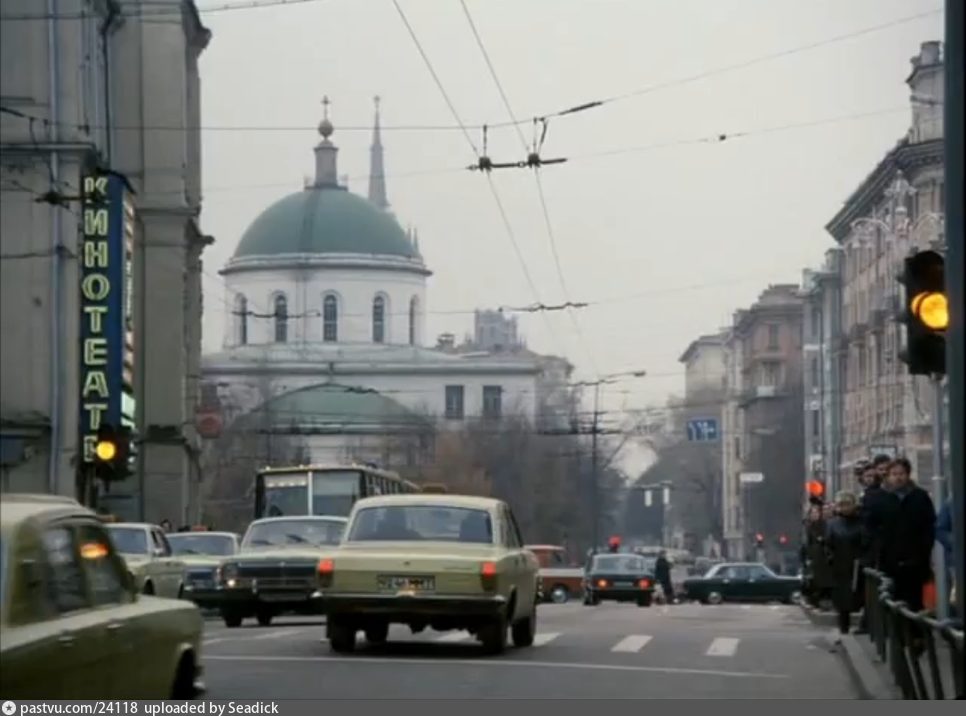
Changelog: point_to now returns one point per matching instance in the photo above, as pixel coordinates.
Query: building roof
(711, 339)
(325, 220)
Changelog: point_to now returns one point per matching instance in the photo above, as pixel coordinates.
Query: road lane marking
(723, 646)
(277, 634)
(206, 642)
(746, 606)
(514, 663)
(545, 638)
(631, 644)
(454, 637)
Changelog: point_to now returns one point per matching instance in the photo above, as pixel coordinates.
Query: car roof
(289, 518)
(546, 547)
(202, 532)
(443, 500)
(19, 507)
(139, 525)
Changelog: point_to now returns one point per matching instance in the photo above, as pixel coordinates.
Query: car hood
(201, 560)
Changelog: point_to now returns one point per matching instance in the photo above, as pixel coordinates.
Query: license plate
(280, 596)
(390, 583)
(623, 584)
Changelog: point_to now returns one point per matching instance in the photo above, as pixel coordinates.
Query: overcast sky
(670, 240)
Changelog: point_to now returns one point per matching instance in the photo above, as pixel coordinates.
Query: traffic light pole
(954, 147)
(939, 493)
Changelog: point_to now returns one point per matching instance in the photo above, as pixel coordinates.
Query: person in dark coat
(908, 536)
(818, 574)
(845, 544)
(875, 505)
(662, 575)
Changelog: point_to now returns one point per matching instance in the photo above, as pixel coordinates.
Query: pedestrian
(944, 536)
(818, 575)
(873, 507)
(909, 531)
(165, 525)
(845, 544)
(662, 575)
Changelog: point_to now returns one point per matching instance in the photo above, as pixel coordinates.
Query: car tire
(525, 630)
(493, 635)
(714, 598)
(559, 594)
(264, 618)
(644, 601)
(342, 636)
(377, 633)
(231, 620)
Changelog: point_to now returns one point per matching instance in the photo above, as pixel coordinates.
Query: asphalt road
(610, 651)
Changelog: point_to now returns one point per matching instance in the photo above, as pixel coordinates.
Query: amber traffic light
(926, 314)
(816, 488)
(111, 452)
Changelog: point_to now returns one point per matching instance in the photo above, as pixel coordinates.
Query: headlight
(228, 571)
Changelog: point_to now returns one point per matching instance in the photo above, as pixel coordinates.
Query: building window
(330, 319)
(281, 319)
(413, 305)
(379, 320)
(816, 324)
(241, 318)
(492, 401)
(813, 368)
(816, 427)
(454, 402)
(772, 337)
(770, 373)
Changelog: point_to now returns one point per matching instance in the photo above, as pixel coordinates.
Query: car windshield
(130, 540)
(422, 523)
(208, 544)
(618, 563)
(294, 532)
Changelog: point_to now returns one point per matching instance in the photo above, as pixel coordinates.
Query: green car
(74, 624)
(202, 553)
(274, 571)
(150, 558)
(439, 561)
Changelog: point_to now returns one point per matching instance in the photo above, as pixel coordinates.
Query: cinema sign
(107, 330)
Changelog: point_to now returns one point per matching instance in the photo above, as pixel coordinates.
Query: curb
(822, 618)
(866, 671)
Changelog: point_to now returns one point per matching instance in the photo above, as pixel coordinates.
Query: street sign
(750, 478)
(703, 430)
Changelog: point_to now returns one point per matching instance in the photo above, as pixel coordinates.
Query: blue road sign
(703, 430)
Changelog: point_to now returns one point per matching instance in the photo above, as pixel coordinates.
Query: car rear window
(618, 563)
(422, 523)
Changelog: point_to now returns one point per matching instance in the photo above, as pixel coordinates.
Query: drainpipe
(105, 29)
(56, 312)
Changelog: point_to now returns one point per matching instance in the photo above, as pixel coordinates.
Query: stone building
(83, 83)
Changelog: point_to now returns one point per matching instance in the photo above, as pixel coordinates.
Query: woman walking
(818, 575)
(845, 543)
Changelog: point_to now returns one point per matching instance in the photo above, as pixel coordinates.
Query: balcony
(759, 392)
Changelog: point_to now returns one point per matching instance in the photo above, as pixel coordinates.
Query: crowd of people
(891, 527)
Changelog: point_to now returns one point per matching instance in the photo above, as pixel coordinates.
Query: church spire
(326, 171)
(377, 171)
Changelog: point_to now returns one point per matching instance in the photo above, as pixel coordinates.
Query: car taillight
(602, 583)
(645, 583)
(325, 570)
(488, 576)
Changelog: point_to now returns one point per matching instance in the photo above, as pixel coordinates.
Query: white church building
(328, 333)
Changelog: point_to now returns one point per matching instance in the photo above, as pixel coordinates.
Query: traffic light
(926, 314)
(759, 539)
(782, 539)
(816, 488)
(614, 544)
(112, 452)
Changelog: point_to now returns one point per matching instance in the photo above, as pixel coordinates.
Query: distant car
(742, 582)
(274, 570)
(201, 553)
(619, 578)
(75, 625)
(439, 561)
(149, 557)
(559, 580)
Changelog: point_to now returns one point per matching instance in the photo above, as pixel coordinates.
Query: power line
(163, 10)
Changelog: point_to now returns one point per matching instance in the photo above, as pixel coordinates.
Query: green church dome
(325, 220)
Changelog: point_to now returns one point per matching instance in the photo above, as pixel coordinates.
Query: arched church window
(241, 319)
(413, 306)
(330, 319)
(281, 319)
(379, 320)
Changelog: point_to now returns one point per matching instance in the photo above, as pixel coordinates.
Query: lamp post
(595, 429)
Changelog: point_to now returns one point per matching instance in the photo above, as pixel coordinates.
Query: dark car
(619, 578)
(742, 582)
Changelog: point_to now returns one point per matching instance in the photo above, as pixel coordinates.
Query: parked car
(149, 558)
(202, 553)
(75, 623)
(274, 570)
(742, 582)
(439, 561)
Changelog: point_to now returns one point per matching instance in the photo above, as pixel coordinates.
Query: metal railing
(924, 656)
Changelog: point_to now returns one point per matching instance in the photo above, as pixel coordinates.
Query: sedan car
(202, 553)
(74, 623)
(439, 561)
(742, 582)
(149, 557)
(618, 578)
(274, 570)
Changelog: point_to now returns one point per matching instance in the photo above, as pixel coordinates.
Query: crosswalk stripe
(545, 638)
(454, 637)
(722, 646)
(631, 644)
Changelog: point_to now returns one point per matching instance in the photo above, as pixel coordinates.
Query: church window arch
(413, 315)
(330, 318)
(280, 317)
(241, 319)
(379, 304)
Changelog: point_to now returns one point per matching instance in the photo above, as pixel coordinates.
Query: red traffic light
(759, 537)
(783, 539)
(816, 488)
